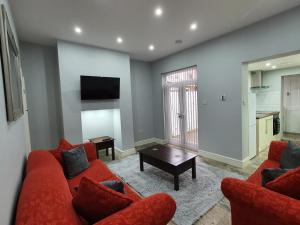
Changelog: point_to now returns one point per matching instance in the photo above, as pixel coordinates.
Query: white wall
(270, 99)
(13, 153)
(219, 64)
(105, 122)
(40, 70)
(75, 60)
(142, 102)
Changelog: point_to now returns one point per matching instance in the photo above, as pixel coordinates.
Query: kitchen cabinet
(264, 132)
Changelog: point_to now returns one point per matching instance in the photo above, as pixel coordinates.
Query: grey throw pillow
(290, 158)
(114, 185)
(74, 161)
(270, 174)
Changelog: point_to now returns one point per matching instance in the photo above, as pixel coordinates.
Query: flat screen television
(97, 88)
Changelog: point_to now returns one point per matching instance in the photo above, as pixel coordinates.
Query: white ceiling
(279, 63)
(45, 21)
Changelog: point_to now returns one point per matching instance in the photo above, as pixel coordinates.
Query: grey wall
(75, 60)
(219, 64)
(40, 70)
(141, 80)
(270, 99)
(12, 157)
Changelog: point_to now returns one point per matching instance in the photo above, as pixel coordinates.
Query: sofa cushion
(290, 158)
(62, 146)
(287, 184)
(270, 174)
(114, 185)
(99, 172)
(74, 161)
(256, 177)
(95, 201)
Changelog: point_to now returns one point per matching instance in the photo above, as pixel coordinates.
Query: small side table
(104, 143)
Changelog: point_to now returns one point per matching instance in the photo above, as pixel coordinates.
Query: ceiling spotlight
(151, 47)
(268, 64)
(119, 40)
(158, 11)
(274, 67)
(193, 26)
(77, 30)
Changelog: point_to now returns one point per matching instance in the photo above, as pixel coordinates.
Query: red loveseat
(46, 197)
(252, 204)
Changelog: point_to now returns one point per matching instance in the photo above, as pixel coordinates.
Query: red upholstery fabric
(94, 201)
(98, 171)
(45, 196)
(256, 177)
(287, 184)
(256, 205)
(64, 145)
(148, 211)
(276, 149)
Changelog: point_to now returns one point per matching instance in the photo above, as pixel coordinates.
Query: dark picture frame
(11, 69)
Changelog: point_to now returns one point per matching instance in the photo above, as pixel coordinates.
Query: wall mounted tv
(97, 88)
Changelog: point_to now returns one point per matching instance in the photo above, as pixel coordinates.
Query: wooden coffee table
(168, 159)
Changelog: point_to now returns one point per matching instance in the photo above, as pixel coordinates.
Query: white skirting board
(223, 159)
(150, 140)
(213, 156)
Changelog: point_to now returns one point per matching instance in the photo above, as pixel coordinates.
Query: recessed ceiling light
(158, 11)
(268, 64)
(274, 67)
(151, 47)
(193, 26)
(119, 40)
(78, 30)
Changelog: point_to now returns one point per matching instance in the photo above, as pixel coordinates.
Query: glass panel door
(181, 108)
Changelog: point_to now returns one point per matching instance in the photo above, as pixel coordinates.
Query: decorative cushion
(74, 161)
(114, 185)
(95, 201)
(270, 174)
(62, 146)
(290, 158)
(287, 184)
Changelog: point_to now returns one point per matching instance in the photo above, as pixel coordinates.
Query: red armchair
(252, 204)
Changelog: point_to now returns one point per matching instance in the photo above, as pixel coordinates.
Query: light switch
(204, 102)
(223, 98)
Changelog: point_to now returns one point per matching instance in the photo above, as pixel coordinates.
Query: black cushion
(74, 161)
(290, 158)
(270, 174)
(114, 185)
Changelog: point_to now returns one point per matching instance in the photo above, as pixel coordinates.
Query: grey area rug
(194, 198)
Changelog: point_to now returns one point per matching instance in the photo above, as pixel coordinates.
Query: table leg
(113, 151)
(107, 152)
(194, 168)
(141, 163)
(176, 182)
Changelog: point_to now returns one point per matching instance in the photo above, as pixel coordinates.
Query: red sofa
(252, 204)
(46, 197)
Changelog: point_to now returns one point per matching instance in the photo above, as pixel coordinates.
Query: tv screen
(93, 88)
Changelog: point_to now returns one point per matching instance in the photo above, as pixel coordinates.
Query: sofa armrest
(276, 149)
(256, 205)
(157, 209)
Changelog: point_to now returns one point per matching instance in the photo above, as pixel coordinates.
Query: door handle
(180, 115)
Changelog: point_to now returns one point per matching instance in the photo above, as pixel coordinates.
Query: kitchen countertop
(260, 115)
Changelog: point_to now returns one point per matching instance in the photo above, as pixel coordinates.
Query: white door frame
(182, 112)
